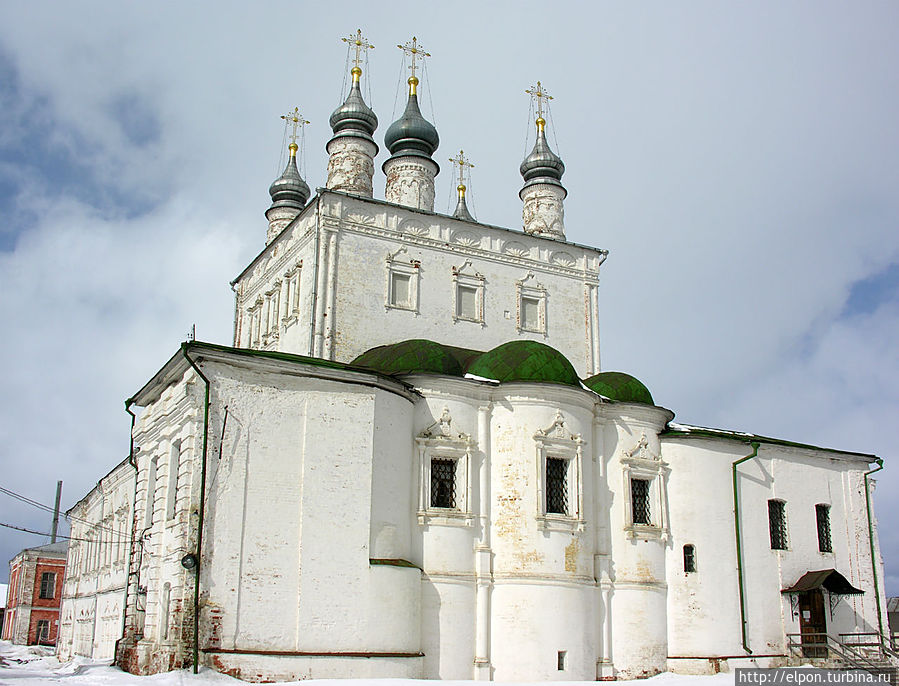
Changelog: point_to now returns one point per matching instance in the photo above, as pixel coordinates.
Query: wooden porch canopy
(828, 579)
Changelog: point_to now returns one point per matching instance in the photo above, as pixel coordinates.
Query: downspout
(133, 463)
(739, 539)
(871, 542)
(196, 655)
(315, 268)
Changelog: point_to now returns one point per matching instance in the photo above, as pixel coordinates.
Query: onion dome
(542, 165)
(525, 361)
(620, 387)
(412, 134)
(416, 356)
(289, 189)
(354, 117)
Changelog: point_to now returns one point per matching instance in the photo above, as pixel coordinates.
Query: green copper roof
(416, 356)
(619, 386)
(525, 361)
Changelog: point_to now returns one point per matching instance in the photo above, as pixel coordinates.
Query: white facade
(323, 556)
(327, 286)
(93, 598)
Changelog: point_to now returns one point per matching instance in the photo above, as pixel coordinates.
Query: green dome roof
(619, 386)
(525, 361)
(416, 356)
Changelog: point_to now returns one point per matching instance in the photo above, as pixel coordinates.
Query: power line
(68, 538)
(47, 508)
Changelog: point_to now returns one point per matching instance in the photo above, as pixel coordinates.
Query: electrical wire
(47, 508)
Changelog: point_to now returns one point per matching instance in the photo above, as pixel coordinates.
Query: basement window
(689, 558)
(777, 524)
(822, 516)
(43, 632)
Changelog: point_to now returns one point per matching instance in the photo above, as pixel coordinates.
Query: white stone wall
(347, 252)
(704, 606)
(94, 589)
(324, 557)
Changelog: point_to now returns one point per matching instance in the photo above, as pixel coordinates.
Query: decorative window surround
(641, 463)
(441, 442)
(465, 282)
(530, 292)
(292, 294)
(400, 274)
(556, 441)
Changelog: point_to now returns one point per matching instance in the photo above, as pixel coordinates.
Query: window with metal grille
(556, 485)
(689, 558)
(822, 515)
(443, 483)
(640, 501)
(777, 524)
(48, 584)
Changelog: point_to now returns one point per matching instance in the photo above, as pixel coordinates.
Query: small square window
(822, 515)
(556, 486)
(443, 483)
(640, 501)
(48, 584)
(689, 558)
(777, 524)
(401, 290)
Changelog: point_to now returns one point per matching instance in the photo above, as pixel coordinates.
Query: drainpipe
(196, 655)
(871, 542)
(133, 463)
(315, 269)
(739, 539)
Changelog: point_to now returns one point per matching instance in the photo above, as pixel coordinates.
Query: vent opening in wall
(689, 558)
(560, 660)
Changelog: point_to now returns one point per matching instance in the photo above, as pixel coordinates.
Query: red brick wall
(57, 567)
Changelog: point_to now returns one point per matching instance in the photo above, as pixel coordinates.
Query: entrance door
(813, 624)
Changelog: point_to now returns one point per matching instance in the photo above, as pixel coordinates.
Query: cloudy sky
(739, 160)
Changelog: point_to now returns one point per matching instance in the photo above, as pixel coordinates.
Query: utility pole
(56, 512)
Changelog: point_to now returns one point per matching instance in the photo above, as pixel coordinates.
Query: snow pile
(27, 665)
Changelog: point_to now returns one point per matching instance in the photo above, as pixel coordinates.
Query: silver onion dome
(412, 134)
(542, 165)
(289, 189)
(354, 117)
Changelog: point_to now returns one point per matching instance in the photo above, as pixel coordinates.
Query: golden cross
(296, 119)
(360, 44)
(539, 92)
(415, 51)
(462, 162)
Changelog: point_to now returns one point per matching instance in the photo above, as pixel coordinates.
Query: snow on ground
(26, 665)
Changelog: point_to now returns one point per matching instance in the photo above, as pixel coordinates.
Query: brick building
(35, 588)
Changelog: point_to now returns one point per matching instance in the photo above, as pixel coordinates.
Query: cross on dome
(296, 120)
(539, 94)
(462, 162)
(360, 44)
(415, 51)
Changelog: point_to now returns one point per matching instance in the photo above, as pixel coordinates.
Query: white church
(409, 463)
